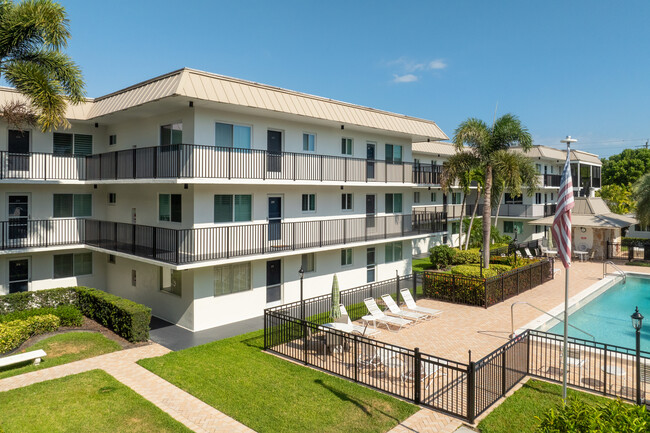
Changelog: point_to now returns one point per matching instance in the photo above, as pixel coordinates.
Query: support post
(415, 285)
(396, 287)
(417, 372)
(638, 367)
(471, 391)
(503, 373)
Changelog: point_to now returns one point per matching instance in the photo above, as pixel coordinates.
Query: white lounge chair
(528, 253)
(396, 310)
(411, 305)
(358, 329)
(428, 372)
(376, 315)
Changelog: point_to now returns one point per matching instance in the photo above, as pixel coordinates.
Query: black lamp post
(637, 322)
(514, 248)
(302, 299)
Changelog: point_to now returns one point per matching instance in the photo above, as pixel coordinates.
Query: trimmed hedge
(15, 333)
(50, 298)
(441, 256)
(69, 315)
(473, 271)
(467, 257)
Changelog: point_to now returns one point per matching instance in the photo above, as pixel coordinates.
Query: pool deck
(461, 328)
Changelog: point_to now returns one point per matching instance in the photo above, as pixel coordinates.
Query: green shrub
(38, 299)
(441, 256)
(473, 271)
(467, 257)
(15, 333)
(498, 245)
(500, 269)
(580, 417)
(68, 314)
(126, 318)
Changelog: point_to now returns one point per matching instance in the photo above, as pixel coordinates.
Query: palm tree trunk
(487, 217)
(460, 230)
(496, 217)
(471, 222)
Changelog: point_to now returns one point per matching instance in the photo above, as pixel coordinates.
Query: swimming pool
(607, 316)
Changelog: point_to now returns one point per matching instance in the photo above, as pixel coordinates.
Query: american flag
(562, 221)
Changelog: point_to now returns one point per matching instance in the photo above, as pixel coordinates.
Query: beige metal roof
(559, 154)
(226, 90)
(434, 147)
(592, 212)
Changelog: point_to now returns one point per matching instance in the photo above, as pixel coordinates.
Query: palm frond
(641, 193)
(509, 131)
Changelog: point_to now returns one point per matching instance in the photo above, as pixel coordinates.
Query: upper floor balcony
(552, 180)
(186, 246)
(454, 211)
(188, 161)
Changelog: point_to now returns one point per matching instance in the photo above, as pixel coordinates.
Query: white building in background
(202, 196)
(515, 213)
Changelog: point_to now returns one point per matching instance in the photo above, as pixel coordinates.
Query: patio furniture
(358, 329)
(336, 343)
(376, 315)
(616, 373)
(395, 309)
(411, 305)
(428, 371)
(528, 253)
(582, 255)
(574, 359)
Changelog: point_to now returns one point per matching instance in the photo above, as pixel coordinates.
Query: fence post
(416, 378)
(266, 342)
(518, 282)
(485, 291)
(304, 340)
(605, 369)
(356, 357)
(527, 351)
(503, 372)
(607, 251)
(415, 285)
(396, 287)
(471, 391)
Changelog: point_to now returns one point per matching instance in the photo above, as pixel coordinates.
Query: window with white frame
(171, 134)
(308, 202)
(112, 140)
(72, 205)
(231, 135)
(169, 208)
(455, 228)
(72, 144)
(434, 197)
(72, 265)
(233, 278)
(393, 203)
(346, 146)
(416, 197)
(171, 281)
(308, 142)
(308, 262)
(393, 154)
(112, 198)
(456, 197)
(511, 226)
(346, 202)
(346, 257)
(233, 208)
(393, 252)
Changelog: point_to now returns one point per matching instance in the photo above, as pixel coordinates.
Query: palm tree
(457, 169)
(482, 141)
(641, 193)
(32, 35)
(477, 176)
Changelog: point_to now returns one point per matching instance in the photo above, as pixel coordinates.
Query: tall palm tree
(477, 176)
(32, 35)
(641, 193)
(482, 141)
(457, 169)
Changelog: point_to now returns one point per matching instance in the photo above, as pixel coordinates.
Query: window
(169, 207)
(346, 257)
(538, 229)
(72, 205)
(112, 140)
(112, 198)
(393, 252)
(393, 203)
(346, 202)
(434, 197)
(308, 142)
(72, 144)
(538, 168)
(73, 265)
(538, 198)
(232, 278)
(455, 228)
(229, 208)
(370, 265)
(456, 197)
(171, 281)
(346, 146)
(393, 154)
(416, 197)
(111, 259)
(308, 202)
(227, 135)
(171, 134)
(509, 199)
(309, 262)
(511, 226)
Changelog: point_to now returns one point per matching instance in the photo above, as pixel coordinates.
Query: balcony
(213, 243)
(187, 161)
(518, 210)
(553, 180)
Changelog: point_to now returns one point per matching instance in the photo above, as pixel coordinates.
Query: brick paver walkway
(180, 405)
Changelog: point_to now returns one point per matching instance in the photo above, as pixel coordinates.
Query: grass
(64, 348)
(91, 402)
(517, 413)
(421, 265)
(269, 394)
(646, 264)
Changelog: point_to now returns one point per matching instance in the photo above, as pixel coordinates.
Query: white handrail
(512, 319)
(615, 267)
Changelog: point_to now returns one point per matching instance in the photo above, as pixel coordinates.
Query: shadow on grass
(344, 397)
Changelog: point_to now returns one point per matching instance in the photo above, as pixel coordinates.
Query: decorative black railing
(185, 161)
(517, 210)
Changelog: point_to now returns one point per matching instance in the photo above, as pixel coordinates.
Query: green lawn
(64, 348)
(91, 402)
(269, 394)
(420, 265)
(517, 414)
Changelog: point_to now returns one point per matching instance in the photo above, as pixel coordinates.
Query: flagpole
(568, 142)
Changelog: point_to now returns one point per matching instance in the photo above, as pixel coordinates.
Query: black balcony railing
(517, 210)
(210, 162)
(210, 243)
(552, 179)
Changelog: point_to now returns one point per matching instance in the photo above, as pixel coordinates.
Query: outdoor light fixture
(637, 323)
(637, 319)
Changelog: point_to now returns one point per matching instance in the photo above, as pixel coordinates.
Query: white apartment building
(515, 213)
(202, 196)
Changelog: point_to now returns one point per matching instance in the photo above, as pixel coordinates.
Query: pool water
(607, 317)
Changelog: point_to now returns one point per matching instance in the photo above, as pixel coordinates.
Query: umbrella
(335, 312)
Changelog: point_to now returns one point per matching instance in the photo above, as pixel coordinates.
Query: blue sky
(564, 67)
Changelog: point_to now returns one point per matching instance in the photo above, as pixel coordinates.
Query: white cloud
(408, 78)
(437, 64)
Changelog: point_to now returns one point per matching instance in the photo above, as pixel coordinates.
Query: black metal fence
(197, 161)
(629, 251)
(24, 233)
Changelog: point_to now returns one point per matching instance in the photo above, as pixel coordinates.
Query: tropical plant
(618, 198)
(478, 177)
(335, 311)
(641, 193)
(32, 35)
(484, 142)
(441, 256)
(458, 169)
